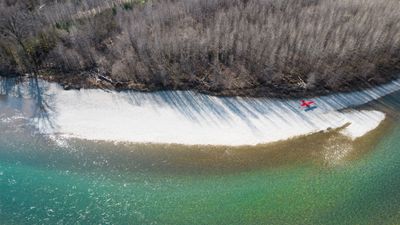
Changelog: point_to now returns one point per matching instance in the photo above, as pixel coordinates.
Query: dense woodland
(232, 47)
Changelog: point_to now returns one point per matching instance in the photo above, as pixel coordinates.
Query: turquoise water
(102, 183)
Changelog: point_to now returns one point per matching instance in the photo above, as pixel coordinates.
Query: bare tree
(16, 26)
(211, 45)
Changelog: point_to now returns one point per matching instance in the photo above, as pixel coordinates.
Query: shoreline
(324, 148)
(190, 118)
(181, 117)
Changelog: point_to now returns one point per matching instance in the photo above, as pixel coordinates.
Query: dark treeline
(244, 47)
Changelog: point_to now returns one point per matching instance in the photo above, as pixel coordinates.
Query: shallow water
(319, 179)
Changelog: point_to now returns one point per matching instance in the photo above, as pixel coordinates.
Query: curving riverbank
(183, 117)
(99, 183)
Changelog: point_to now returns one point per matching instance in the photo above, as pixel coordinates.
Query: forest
(225, 47)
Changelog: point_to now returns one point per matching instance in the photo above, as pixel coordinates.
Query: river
(321, 178)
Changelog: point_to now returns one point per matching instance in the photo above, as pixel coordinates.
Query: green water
(98, 183)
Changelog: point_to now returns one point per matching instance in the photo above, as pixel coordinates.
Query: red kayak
(309, 105)
(305, 103)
